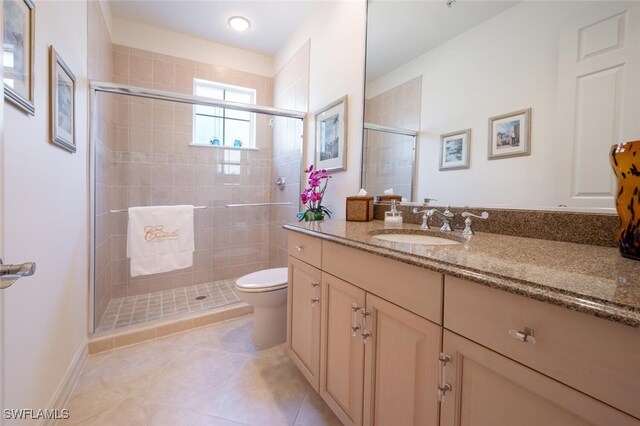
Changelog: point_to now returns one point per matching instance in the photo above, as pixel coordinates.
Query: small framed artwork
(331, 136)
(63, 103)
(17, 58)
(454, 150)
(510, 134)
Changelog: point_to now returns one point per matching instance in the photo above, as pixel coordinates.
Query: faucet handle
(467, 221)
(445, 217)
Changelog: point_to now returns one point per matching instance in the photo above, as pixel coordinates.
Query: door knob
(10, 273)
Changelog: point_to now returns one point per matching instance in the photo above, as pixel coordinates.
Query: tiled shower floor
(143, 308)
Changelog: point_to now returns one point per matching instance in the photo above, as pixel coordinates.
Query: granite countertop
(591, 279)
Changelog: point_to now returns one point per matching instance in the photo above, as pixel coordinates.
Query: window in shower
(222, 126)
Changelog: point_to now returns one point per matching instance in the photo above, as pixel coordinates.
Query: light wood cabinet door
(303, 319)
(490, 389)
(401, 366)
(342, 349)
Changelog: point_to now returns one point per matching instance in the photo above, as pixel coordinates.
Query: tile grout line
(306, 396)
(229, 381)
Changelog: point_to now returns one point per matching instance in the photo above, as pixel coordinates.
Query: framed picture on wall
(454, 150)
(510, 134)
(17, 59)
(331, 136)
(63, 103)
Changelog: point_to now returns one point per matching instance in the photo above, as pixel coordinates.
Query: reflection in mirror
(441, 70)
(388, 160)
(392, 121)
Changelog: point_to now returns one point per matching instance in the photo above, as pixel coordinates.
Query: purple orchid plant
(312, 196)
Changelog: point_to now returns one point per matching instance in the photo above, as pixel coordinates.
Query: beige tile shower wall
(389, 158)
(99, 68)
(291, 91)
(398, 107)
(154, 165)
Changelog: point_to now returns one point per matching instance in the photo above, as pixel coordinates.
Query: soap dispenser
(393, 218)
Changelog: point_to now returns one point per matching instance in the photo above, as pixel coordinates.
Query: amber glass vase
(625, 159)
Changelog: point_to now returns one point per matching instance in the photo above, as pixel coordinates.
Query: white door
(598, 102)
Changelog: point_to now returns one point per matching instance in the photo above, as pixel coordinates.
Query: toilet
(266, 290)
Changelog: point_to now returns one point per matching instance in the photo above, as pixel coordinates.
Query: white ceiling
(272, 22)
(400, 30)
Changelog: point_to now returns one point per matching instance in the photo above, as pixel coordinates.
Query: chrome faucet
(446, 218)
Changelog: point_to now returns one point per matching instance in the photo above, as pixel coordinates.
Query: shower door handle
(11, 273)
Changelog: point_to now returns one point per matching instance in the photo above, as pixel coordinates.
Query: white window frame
(197, 82)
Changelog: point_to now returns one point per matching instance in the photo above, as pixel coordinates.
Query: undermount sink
(429, 240)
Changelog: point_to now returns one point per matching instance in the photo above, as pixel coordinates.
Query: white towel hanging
(160, 239)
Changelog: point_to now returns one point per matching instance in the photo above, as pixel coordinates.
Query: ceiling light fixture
(450, 3)
(239, 23)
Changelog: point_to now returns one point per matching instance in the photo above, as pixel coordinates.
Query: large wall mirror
(513, 104)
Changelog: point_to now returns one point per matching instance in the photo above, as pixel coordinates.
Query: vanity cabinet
(401, 366)
(489, 389)
(378, 362)
(386, 342)
(600, 358)
(342, 349)
(380, 338)
(303, 318)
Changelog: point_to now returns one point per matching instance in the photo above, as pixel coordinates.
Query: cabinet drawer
(304, 247)
(595, 356)
(415, 289)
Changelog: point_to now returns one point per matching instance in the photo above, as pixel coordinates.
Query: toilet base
(269, 315)
(269, 325)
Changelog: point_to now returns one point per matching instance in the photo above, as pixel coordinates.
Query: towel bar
(258, 204)
(126, 210)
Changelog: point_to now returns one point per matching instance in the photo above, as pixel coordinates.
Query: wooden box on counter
(359, 209)
(389, 198)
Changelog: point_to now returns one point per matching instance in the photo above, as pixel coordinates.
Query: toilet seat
(263, 281)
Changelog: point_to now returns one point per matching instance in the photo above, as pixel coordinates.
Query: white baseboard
(61, 396)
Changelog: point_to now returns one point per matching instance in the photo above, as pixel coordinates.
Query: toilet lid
(265, 280)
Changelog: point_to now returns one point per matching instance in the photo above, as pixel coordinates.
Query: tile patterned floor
(143, 308)
(214, 375)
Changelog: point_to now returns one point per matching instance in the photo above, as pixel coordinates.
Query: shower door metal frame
(122, 89)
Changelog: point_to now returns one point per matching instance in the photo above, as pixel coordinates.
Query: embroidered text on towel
(157, 233)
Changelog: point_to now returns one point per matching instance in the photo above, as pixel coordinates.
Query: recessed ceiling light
(239, 23)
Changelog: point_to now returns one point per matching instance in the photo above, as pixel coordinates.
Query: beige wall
(336, 30)
(291, 91)
(388, 157)
(45, 220)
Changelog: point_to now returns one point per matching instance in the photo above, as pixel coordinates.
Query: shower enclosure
(143, 153)
(388, 160)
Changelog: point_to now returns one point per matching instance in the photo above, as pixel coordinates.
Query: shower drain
(201, 297)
